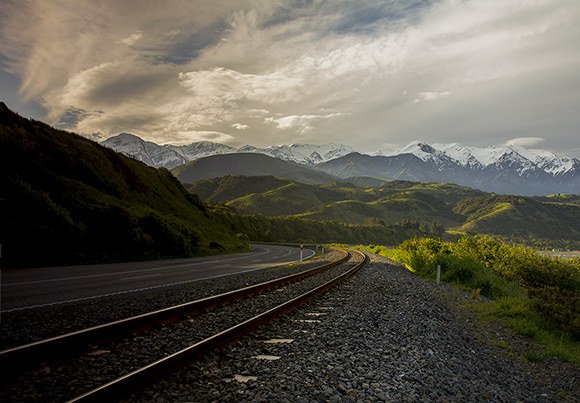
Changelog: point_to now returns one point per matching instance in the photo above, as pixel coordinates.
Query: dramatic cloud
(365, 73)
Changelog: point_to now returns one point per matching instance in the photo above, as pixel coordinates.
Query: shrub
(498, 270)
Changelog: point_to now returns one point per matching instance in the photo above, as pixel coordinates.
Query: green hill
(456, 208)
(391, 203)
(519, 216)
(229, 187)
(65, 199)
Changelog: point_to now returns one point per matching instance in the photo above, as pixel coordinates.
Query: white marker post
(438, 273)
(301, 251)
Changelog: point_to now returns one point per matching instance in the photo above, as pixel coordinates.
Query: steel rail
(20, 356)
(135, 380)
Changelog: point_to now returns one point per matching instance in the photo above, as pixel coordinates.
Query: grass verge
(518, 314)
(470, 266)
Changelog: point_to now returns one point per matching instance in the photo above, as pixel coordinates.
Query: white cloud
(188, 137)
(132, 39)
(301, 124)
(430, 96)
(525, 141)
(258, 112)
(240, 126)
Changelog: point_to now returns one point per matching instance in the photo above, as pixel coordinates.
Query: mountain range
(170, 156)
(506, 169)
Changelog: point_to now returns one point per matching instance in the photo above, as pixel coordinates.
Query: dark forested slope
(65, 199)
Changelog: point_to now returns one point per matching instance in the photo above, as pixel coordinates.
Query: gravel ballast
(66, 378)
(21, 327)
(384, 335)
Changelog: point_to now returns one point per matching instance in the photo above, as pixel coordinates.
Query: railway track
(151, 345)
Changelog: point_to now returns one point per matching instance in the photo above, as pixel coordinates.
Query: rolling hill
(456, 208)
(519, 216)
(65, 199)
(248, 164)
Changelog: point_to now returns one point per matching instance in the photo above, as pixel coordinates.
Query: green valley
(543, 221)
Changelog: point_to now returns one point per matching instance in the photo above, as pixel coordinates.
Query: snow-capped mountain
(307, 154)
(170, 156)
(521, 158)
(147, 152)
(501, 169)
(201, 149)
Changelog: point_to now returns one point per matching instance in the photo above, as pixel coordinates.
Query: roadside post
(438, 273)
(301, 251)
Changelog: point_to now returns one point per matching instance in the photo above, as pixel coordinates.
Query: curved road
(33, 288)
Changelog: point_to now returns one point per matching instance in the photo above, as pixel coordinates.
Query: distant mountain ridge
(507, 169)
(482, 157)
(248, 164)
(171, 156)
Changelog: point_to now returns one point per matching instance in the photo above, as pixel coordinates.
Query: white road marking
(133, 271)
(138, 289)
(146, 275)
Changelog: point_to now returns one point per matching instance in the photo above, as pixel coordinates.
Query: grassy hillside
(520, 216)
(391, 203)
(544, 221)
(65, 199)
(229, 187)
(292, 229)
(560, 198)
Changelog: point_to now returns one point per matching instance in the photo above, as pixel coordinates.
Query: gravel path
(385, 335)
(26, 326)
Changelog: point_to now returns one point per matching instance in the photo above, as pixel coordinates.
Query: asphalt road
(33, 288)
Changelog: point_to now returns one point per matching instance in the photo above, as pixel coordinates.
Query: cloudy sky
(369, 73)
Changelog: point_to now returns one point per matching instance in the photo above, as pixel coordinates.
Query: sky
(371, 74)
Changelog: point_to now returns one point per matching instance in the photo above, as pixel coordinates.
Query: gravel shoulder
(384, 335)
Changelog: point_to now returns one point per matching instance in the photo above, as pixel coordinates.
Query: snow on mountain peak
(170, 156)
(522, 159)
(308, 154)
(442, 155)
